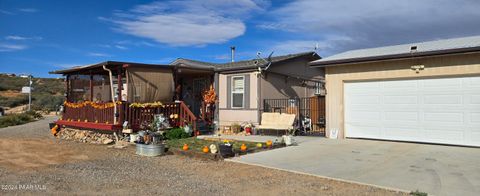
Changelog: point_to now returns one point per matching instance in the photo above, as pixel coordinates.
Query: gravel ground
(32, 162)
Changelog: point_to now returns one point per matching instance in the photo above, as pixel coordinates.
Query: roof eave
(393, 57)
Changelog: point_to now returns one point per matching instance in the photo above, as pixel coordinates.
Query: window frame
(232, 91)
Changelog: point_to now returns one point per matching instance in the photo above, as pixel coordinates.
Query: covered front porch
(112, 95)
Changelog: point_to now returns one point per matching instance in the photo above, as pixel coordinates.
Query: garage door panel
(365, 130)
(365, 115)
(475, 99)
(400, 99)
(444, 117)
(445, 135)
(442, 83)
(475, 117)
(400, 133)
(443, 99)
(405, 84)
(401, 116)
(435, 110)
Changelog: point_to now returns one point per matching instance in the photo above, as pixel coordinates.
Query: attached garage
(422, 92)
(436, 110)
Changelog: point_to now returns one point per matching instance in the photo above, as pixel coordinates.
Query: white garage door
(440, 110)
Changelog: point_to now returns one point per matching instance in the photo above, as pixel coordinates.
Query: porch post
(216, 114)
(119, 95)
(91, 86)
(67, 87)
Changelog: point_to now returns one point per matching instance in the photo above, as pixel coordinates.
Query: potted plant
(248, 128)
(226, 149)
(236, 128)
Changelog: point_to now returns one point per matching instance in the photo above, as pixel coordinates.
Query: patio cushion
(277, 121)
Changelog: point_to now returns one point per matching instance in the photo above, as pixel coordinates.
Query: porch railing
(134, 115)
(138, 115)
(88, 113)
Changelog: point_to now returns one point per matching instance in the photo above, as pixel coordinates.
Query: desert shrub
(13, 101)
(418, 193)
(47, 103)
(176, 133)
(15, 119)
(18, 119)
(34, 114)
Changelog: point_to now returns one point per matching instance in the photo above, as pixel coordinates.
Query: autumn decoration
(92, 104)
(243, 147)
(209, 96)
(269, 143)
(205, 149)
(185, 147)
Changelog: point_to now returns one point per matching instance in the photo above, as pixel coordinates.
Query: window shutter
(247, 92)
(229, 92)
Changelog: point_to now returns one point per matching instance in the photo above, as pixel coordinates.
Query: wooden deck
(90, 117)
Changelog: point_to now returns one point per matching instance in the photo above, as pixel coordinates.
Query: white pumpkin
(213, 149)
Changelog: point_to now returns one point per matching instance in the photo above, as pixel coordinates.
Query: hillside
(47, 93)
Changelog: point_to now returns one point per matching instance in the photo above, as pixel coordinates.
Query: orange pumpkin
(205, 149)
(185, 147)
(269, 143)
(54, 130)
(243, 147)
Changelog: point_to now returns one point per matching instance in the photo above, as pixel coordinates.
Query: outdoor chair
(277, 122)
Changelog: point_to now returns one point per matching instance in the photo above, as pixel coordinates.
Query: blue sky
(40, 36)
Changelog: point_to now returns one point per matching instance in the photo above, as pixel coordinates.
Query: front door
(199, 86)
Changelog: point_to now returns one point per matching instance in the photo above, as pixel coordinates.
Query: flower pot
(226, 150)
(150, 150)
(248, 130)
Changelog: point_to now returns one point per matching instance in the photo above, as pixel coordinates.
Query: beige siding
(222, 91)
(445, 66)
(229, 116)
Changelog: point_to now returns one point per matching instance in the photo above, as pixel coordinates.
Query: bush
(18, 119)
(34, 114)
(13, 101)
(418, 193)
(15, 119)
(176, 133)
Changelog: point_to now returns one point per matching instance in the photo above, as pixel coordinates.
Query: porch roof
(109, 64)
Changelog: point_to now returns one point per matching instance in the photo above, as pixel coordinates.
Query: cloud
(29, 10)
(186, 23)
(371, 23)
(6, 12)
(20, 38)
(11, 47)
(97, 54)
(121, 47)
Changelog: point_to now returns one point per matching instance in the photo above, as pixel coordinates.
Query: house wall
(228, 115)
(279, 86)
(444, 66)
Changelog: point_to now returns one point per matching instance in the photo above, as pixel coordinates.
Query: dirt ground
(32, 163)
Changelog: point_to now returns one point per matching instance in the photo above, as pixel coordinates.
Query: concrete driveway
(435, 169)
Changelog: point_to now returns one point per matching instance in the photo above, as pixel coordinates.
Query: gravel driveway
(33, 162)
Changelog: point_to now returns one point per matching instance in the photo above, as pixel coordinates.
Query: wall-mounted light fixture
(417, 68)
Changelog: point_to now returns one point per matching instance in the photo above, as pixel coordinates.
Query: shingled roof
(240, 65)
(438, 47)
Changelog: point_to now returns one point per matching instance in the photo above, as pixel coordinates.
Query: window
(319, 88)
(238, 91)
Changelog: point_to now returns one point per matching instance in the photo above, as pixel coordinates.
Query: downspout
(113, 94)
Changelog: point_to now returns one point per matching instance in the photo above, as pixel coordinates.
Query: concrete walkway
(435, 169)
(258, 138)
